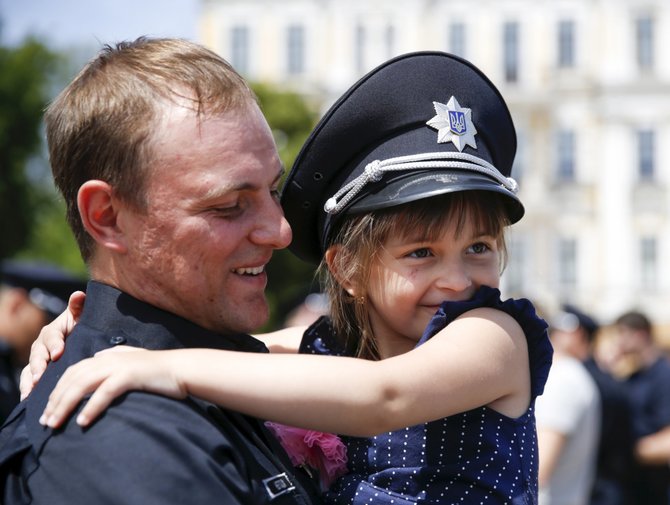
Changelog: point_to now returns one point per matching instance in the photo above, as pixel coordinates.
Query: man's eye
(228, 209)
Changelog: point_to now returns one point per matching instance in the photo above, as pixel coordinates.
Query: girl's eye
(420, 253)
(479, 248)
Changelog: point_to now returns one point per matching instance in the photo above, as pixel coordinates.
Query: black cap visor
(417, 185)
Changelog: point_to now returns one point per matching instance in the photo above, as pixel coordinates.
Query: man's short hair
(101, 125)
(634, 320)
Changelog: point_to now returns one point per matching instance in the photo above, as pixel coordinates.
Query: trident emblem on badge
(457, 122)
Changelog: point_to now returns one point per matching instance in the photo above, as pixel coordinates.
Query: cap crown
(388, 114)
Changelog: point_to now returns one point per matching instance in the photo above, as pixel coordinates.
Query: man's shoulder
(155, 439)
(144, 442)
(569, 388)
(568, 372)
(652, 378)
(662, 366)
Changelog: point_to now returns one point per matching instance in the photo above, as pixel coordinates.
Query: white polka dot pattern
(476, 457)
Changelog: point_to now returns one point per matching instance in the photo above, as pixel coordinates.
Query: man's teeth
(250, 270)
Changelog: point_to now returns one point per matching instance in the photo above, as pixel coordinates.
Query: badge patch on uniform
(453, 124)
(278, 485)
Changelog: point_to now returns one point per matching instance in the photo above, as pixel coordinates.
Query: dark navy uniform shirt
(9, 387)
(649, 393)
(145, 448)
(615, 449)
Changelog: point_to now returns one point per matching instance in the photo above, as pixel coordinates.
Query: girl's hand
(50, 343)
(108, 375)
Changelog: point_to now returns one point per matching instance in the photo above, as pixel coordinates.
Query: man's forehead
(185, 109)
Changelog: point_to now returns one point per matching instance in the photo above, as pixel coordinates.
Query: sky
(90, 23)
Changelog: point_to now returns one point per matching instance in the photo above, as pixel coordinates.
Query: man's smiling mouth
(249, 270)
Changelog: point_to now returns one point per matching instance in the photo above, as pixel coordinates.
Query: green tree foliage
(291, 120)
(289, 117)
(51, 239)
(24, 82)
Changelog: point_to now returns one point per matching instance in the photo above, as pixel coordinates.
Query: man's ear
(99, 211)
(336, 256)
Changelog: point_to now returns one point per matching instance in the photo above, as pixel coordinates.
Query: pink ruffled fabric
(323, 452)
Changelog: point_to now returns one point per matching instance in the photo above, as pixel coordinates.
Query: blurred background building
(588, 84)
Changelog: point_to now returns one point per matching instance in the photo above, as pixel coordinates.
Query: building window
(456, 43)
(645, 153)
(389, 40)
(516, 266)
(359, 49)
(239, 53)
(296, 50)
(644, 34)
(565, 156)
(567, 263)
(511, 51)
(566, 44)
(648, 262)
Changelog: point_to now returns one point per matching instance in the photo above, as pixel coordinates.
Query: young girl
(403, 192)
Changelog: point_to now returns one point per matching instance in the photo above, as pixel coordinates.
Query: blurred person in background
(615, 448)
(31, 295)
(310, 308)
(568, 423)
(648, 386)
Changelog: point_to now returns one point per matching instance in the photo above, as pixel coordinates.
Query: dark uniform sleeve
(9, 388)
(148, 449)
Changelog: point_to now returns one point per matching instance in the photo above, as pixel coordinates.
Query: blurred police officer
(649, 392)
(568, 425)
(615, 449)
(31, 295)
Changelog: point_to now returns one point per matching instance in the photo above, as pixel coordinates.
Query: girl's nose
(453, 276)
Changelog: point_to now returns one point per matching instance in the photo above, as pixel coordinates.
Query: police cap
(571, 318)
(420, 125)
(48, 286)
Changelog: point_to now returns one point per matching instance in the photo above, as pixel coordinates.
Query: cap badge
(454, 124)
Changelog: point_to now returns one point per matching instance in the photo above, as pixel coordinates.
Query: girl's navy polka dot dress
(477, 457)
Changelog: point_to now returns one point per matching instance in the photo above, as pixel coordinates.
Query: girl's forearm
(341, 395)
(360, 397)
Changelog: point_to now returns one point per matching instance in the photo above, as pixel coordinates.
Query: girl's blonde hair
(360, 237)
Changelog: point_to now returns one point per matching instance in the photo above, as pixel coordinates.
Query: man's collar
(117, 313)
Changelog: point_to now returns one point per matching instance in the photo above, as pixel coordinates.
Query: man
(615, 447)
(649, 394)
(568, 423)
(170, 176)
(31, 295)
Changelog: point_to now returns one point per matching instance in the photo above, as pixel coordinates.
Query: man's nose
(273, 228)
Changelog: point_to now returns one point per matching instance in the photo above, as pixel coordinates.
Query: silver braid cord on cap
(375, 170)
